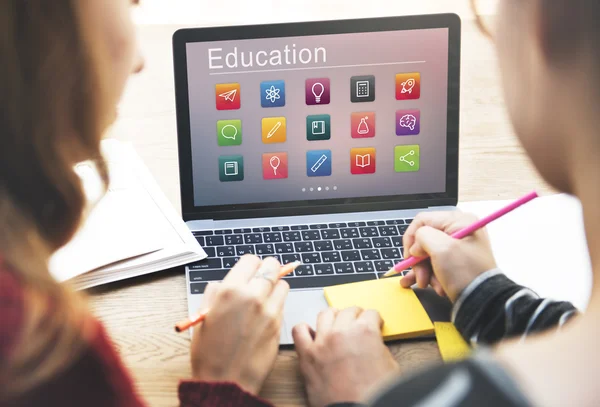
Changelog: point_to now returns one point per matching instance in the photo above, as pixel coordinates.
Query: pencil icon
(274, 130)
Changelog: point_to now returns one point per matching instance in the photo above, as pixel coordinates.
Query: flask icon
(363, 127)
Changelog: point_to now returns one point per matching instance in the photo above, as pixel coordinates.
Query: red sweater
(97, 377)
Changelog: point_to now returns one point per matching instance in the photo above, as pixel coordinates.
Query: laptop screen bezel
(322, 206)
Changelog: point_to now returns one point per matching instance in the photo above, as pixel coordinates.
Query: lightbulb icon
(317, 90)
(274, 162)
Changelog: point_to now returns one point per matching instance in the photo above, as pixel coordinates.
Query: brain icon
(408, 120)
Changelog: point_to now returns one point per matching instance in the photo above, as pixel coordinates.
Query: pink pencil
(411, 261)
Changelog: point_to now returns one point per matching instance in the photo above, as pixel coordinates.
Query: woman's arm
(475, 382)
(488, 306)
(492, 307)
(98, 377)
(225, 394)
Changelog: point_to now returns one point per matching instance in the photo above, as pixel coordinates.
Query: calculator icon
(362, 88)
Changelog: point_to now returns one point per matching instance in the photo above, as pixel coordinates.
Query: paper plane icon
(230, 95)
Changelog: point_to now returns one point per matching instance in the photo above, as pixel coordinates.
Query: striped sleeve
(493, 308)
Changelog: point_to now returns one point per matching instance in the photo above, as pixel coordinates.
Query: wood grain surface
(140, 313)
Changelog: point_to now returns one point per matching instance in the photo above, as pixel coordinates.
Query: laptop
(316, 141)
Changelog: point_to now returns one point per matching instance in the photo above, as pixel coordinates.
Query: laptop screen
(318, 117)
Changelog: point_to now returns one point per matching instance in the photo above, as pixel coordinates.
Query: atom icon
(272, 94)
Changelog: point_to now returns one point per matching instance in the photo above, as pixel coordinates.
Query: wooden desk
(140, 313)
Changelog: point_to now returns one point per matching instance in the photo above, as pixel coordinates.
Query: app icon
(229, 132)
(408, 122)
(408, 86)
(272, 93)
(362, 124)
(362, 160)
(275, 165)
(228, 96)
(406, 158)
(273, 130)
(318, 163)
(317, 91)
(362, 88)
(318, 127)
(231, 168)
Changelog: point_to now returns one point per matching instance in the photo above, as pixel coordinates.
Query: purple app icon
(317, 91)
(408, 122)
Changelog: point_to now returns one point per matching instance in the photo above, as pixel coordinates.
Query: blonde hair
(51, 112)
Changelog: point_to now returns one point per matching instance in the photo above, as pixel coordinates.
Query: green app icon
(229, 132)
(231, 168)
(318, 127)
(406, 158)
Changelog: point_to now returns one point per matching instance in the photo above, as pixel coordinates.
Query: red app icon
(227, 96)
(362, 160)
(275, 165)
(408, 86)
(362, 124)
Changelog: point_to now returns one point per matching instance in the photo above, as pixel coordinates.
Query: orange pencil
(188, 323)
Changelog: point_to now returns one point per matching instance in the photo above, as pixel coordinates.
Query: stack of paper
(133, 230)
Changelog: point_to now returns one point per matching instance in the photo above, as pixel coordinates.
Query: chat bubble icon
(408, 120)
(229, 132)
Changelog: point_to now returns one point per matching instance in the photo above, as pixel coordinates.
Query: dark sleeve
(493, 308)
(468, 383)
(97, 378)
(203, 394)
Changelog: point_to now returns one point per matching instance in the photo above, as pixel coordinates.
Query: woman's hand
(345, 359)
(453, 263)
(239, 339)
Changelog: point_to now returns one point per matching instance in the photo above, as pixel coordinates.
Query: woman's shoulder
(11, 309)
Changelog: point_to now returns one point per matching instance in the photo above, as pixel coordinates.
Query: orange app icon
(273, 130)
(275, 165)
(408, 86)
(227, 96)
(362, 160)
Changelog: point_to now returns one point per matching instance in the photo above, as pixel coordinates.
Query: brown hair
(570, 27)
(51, 107)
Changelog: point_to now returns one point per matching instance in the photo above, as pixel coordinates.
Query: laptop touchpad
(301, 306)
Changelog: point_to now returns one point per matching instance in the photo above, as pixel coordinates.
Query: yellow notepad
(451, 343)
(402, 312)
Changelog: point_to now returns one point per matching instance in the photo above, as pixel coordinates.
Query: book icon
(318, 127)
(363, 161)
(231, 168)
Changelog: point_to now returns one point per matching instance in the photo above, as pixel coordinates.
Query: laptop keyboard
(334, 253)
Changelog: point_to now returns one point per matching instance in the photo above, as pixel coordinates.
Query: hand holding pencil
(457, 246)
(198, 318)
(238, 338)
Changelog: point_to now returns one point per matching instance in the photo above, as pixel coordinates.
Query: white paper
(117, 228)
(542, 245)
(133, 230)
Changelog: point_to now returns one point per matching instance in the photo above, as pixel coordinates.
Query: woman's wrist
(470, 288)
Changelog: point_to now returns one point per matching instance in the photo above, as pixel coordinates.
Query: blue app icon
(272, 93)
(318, 163)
